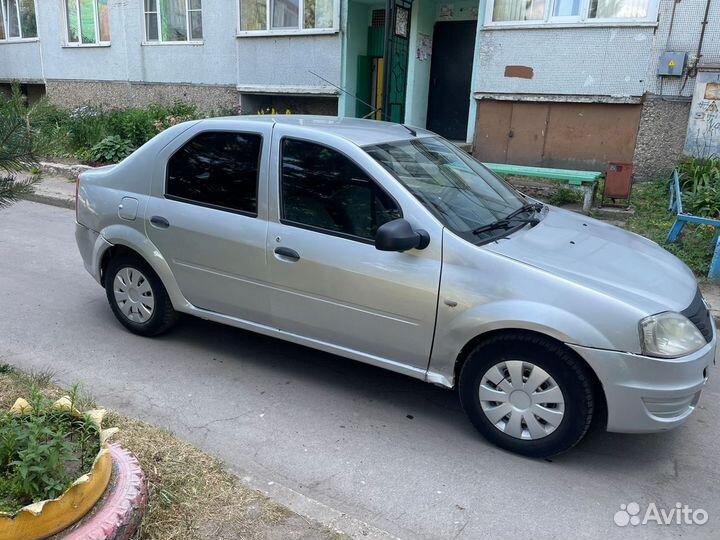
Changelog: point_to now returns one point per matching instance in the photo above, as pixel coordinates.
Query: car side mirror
(399, 235)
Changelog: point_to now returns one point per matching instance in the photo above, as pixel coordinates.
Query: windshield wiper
(512, 219)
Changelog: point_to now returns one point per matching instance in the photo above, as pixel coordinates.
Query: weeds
(42, 451)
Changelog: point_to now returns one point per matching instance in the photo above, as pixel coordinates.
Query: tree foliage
(20, 141)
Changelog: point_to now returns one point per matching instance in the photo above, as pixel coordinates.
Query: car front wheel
(137, 296)
(527, 394)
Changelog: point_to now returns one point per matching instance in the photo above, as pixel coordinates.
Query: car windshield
(460, 191)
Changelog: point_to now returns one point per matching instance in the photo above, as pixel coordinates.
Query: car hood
(605, 258)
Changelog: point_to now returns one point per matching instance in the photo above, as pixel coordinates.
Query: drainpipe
(693, 70)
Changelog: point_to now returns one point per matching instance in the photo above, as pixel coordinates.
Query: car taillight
(77, 201)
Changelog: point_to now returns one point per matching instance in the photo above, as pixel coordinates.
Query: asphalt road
(393, 452)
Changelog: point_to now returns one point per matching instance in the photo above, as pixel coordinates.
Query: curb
(314, 510)
(61, 169)
(52, 200)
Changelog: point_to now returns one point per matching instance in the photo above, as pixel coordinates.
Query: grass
(653, 220)
(192, 496)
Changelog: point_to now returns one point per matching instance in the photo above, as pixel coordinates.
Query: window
(564, 11)
(17, 19)
(452, 185)
(217, 169)
(88, 22)
(287, 15)
(173, 20)
(322, 189)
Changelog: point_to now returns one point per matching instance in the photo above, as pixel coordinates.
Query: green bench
(585, 181)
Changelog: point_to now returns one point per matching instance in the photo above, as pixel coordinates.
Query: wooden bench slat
(572, 177)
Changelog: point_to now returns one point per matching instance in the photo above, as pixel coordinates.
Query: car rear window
(217, 169)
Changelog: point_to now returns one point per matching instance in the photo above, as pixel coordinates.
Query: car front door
(330, 284)
(208, 217)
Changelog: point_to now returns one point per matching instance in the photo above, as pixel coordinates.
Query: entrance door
(450, 78)
(397, 50)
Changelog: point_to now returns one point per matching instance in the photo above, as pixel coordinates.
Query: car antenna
(374, 109)
(411, 130)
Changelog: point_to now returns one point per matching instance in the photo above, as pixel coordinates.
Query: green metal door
(396, 58)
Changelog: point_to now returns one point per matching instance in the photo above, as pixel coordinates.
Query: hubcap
(521, 399)
(133, 295)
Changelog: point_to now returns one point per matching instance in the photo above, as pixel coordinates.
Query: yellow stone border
(45, 518)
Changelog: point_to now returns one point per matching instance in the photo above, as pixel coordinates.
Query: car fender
(123, 235)
(455, 331)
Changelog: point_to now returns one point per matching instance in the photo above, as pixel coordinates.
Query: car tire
(534, 412)
(137, 297)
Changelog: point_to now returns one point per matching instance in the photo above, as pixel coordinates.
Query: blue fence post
(714, 274)
(675, 230)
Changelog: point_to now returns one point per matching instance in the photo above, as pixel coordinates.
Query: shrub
(111, 149)
(77, 132)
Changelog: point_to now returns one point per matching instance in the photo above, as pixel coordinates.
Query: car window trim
(313, 228)
(222, 208)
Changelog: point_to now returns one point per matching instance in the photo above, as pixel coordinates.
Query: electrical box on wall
(672, 64)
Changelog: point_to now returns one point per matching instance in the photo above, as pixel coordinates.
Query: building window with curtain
(17, 20)
(173, 21)
(287, 16)
(530, 12)
(87, 21)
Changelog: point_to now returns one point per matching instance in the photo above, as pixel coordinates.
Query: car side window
(218, 169)
(323, 189)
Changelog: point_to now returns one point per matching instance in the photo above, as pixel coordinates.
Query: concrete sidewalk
(55, 190)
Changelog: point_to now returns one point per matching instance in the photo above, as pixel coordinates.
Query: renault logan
(388, 245)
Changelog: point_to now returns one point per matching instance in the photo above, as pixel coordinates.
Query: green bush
(77, 132)
(111, 149)
(42, 453)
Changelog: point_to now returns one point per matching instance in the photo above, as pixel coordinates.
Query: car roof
(356, 130)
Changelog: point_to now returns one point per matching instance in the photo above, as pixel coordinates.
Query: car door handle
(287, 253)
(159, 222)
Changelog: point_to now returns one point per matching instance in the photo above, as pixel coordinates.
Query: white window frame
(159, 40)
(79, 43)
(7, 38)
(269, 31)
(580, 20)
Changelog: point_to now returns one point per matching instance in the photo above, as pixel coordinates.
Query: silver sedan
(388, 245)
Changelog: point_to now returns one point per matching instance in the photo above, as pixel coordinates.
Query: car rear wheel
(527, 394)
(137, 296)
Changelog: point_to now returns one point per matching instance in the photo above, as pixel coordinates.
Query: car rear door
(208, 217)
(330, 284)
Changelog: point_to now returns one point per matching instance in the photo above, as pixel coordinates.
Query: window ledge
(579, 24)
(286, 32)
(171, 43)
(85, 45)
(19, 40)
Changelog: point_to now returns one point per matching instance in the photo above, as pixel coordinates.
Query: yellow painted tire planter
(45, 518)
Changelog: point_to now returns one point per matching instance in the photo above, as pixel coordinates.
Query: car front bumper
(645, 394)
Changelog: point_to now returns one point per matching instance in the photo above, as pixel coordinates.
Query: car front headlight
(669, 335)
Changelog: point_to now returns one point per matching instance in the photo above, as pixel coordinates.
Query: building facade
(557, 83)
